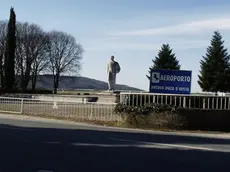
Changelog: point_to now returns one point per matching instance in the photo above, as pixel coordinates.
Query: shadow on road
(26, 149)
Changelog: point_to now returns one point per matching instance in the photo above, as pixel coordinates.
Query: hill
(79, 82)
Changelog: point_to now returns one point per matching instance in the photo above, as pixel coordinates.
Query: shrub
(148, 116)
(117, 98)
(147, 109)
(174, 117)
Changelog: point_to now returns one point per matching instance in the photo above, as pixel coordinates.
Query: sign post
(170, 81)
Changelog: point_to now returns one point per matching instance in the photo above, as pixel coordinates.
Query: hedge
(163, 116)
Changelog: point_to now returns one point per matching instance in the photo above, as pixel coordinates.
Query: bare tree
(31, 52)
(41, 57)
(3, 29)
(65, 55)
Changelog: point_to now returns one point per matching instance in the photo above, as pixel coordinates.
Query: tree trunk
(34, 77)
(34, 81)
(2, 73)
(26, 81)
(2, 79)
(56, 83)
(21, 80)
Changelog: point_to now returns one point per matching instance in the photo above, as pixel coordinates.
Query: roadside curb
(217, 135)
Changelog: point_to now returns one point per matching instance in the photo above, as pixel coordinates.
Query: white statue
(113, 68)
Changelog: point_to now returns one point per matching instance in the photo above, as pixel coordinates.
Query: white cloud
(178, 44)
(192, 27)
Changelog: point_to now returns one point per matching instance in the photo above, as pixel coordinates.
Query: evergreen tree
(165, 59)
(214, 67)
(10, 51)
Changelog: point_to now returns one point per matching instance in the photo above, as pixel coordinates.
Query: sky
(131, 30)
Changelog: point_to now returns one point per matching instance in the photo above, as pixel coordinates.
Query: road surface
(33, 145)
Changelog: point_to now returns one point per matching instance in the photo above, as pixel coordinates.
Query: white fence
(187, 101)
(61, 109)
(105, 111)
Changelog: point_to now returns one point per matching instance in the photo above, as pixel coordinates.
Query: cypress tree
(10, 51)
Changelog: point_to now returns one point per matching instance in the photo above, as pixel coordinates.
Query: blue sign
(170, 81)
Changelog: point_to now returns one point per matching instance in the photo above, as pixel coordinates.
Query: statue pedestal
(109, 93)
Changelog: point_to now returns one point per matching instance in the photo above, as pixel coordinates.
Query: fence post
(228, 103)
(22, 103)
(121, 99)
(204, 103)
(184, 102)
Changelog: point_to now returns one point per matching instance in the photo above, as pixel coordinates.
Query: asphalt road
(36, 145)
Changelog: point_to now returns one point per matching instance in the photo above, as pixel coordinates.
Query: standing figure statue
(113, 68)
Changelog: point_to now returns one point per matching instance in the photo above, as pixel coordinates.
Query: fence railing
(105, 111)
(186, 101)
(62, 109)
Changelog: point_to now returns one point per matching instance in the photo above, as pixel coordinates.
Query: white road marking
(99, 145)
(120, 145)
(166, 145)
(185, 146)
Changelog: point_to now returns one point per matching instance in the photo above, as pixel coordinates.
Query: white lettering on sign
(175, 78)
(183, 89)
(169, 88)
(156, 87)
